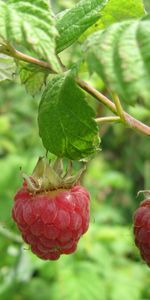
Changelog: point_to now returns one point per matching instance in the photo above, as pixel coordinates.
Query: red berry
(142, 229)
(52, 222)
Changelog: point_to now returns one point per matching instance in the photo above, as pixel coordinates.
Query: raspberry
(142, 230)
(51, 221)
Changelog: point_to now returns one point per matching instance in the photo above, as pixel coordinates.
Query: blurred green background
(107, 265)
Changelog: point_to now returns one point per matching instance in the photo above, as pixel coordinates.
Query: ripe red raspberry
(142, 230)
(51, 221)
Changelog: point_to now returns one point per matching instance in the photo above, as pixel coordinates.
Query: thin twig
(108, 119)
(21, 56)
(11, 51)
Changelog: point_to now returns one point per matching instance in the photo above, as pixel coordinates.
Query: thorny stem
(128, 119)
(108, 119)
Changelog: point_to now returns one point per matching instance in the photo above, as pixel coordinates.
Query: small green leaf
(77, 20)
(32, 77)
(119, 10)
(7, 67)
(116, 11)
(66, 121)
(121, 56)
(30, 24)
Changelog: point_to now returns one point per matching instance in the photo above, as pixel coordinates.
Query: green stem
(108, 119)
(119, 107)
(10, 235)
(129, 120)
(147, 174)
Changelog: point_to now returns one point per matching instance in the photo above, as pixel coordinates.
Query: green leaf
(32, 77)
(28, 290)
(116, 11)
(7, 67)
(121, 56)
(122, 277)
(74, 284)
(66, 122)
(30, 24)
(77, 20)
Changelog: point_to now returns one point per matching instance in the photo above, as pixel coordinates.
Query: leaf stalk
(129, 120)
(108, 119)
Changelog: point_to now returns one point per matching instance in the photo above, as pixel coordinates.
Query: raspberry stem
(128, 119)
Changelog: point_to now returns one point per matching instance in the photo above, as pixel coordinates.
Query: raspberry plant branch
(29, 59)
(128, 119)
(11, 51)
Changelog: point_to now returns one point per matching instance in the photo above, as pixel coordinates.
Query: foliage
(7, 67)
(88, 273)
(107, 264)
(30, 24)
(116, 11)
(117, 68)
(30, 75)
(106, 255)
(89, 16)
(77, 20)
(125, 68)
(66, 122)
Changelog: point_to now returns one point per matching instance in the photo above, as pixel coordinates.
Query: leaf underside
(33, 77)
(66, 122)
(7, 67)
(121, 56)
(30, 24)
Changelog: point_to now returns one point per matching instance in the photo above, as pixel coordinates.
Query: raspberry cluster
(52, 222)
(142, 230)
